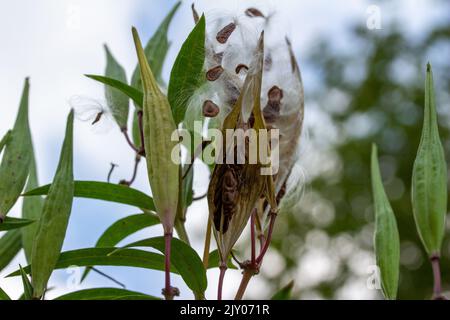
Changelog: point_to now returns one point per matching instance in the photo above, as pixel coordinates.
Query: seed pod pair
(55, 217)
(16, 158)
(159, 126)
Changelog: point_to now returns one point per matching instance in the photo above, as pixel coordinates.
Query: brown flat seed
(275, 94)
(214, 73)
(210, 109)
(225, 33)
(253, 13)
(240, 67)
(272, 110)
(97, 118)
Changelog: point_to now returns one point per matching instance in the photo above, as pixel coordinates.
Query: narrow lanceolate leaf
(386, 240)
(159, 126)
(184, 259)
(214, 261)
(429, 180)
(117, 101)
(32, 210)
(27, 287)
(16, 158)
(3, 295)
(10, 245)
(123, 228)
(106, 294)
(132, 93)
(156, 50)
(107, 257)
(284, 293)
(186, 75)
(55, 217)
(14, 223)
(5, 140)
(104, 191)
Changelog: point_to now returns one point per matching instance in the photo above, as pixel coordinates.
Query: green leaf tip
(386, 237)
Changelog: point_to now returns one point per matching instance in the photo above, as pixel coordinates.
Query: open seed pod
(235, 188)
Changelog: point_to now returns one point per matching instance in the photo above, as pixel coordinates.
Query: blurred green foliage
(371, 92)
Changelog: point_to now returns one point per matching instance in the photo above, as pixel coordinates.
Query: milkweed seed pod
(228, 65)
(158, 125)
(236, 188)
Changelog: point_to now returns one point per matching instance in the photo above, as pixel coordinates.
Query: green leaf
(214, 261)
(117, 101)
(184, 259)
(5, 140)
(3, 295)
(284, 293)
(156, 50)
(123, 228)
(132, 93)
(10, 245)
(16, 158)
(135, 130)
(386, 240)
(105, 191)
(55, 217)
(32, 210)
(88, 257)
(14, 223)
(187, 71)
(106, 294)
(27, 287)
(429, 178)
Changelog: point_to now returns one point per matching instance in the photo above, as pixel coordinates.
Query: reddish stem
(273, 216)
(223, 269)
(437, 288)
(169, 292)
(130, 143)
(252, 235)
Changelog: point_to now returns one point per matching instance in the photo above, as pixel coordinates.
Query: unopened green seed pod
(16, 158)
(32, 210)
(117, 101)
(159, 125)
(386, 238)
(55, 217)
(429, 179)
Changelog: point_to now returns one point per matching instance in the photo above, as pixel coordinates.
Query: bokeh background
(362, 85)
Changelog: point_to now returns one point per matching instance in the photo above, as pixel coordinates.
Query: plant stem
(273, 216)
(207, 245)
(141, 133)
(223, 269)
(169, 292)
(252, 235)
(130, 143)
(137, 159)
(246, 276)
(437, 288)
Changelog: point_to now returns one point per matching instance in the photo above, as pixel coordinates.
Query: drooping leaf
(159, 130)
(117, 101)
(187, 71)
(131, 92)
(429, 179)
(105, 191)
(106, 294)
(107, 257)
(14, 223)
(16, 158)
(184, 259)
(4, 140)
(386, 240)
(32, 210)
(284, 293)
(3, 295)
(55, 217)
(10, 245)
(27, 287)
(156, 50)
(123, 228)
